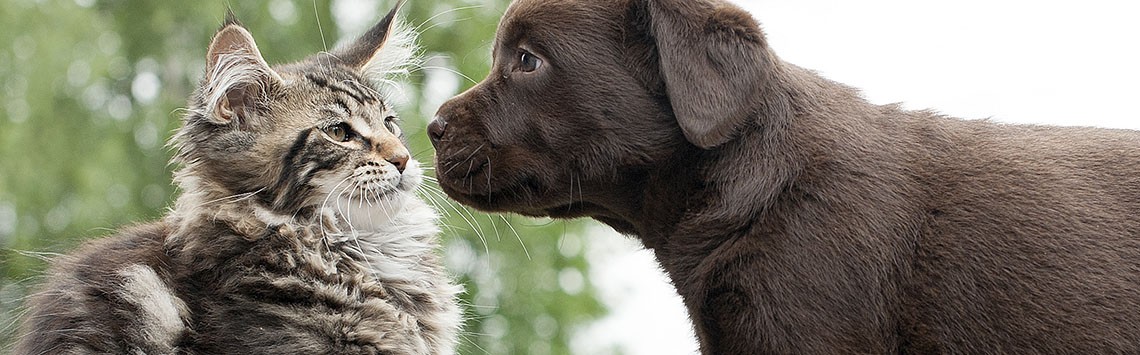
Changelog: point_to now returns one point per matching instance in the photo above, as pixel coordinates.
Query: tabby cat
(297, 230)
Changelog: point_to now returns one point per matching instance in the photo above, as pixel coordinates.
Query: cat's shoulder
(140, 244)
(110, 294)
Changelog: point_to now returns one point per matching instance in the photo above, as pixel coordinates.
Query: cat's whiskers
(474, 226)
(427, 194)
(389, 206)
(459, 211)
(420, 154)
(471, 338)
(436, 190)
(368, 199)
(387, 82)
(346, 216)
(420, 28)
(357, 189)
(321, 30)
(234, 197)
(41, 255)
(325, 205)
(435, 197)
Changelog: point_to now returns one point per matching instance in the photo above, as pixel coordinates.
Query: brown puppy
(792, 215)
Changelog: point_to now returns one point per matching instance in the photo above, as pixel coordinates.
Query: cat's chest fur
(392, 239)
(355, 287)
(387, 244)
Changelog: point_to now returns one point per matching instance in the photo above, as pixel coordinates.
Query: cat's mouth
(375, 182)
(369, 183)
(372, 194)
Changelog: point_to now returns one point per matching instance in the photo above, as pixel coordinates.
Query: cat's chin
(369, 215)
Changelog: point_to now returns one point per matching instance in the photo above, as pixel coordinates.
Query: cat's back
(111, 296)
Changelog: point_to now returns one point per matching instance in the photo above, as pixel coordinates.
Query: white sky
(1050, 62)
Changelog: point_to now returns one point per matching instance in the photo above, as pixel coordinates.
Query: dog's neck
(649, 203)
(716, 193)
(641, 202)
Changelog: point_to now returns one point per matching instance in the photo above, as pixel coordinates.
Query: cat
(297, 230)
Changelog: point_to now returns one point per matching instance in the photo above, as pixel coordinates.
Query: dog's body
(792, 215)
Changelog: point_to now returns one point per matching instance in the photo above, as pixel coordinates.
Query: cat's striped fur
(297, 230)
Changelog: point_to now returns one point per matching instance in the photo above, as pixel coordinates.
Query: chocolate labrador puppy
(792, 215)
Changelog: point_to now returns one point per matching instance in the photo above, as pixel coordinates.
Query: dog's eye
(529, 62)
(339, 132)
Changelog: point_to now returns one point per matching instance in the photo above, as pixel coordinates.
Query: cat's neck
(203, 204)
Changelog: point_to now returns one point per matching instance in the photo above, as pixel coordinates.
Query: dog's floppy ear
(714, 62)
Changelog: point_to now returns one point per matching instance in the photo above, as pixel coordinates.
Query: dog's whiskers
(523, 245)
(488, 180)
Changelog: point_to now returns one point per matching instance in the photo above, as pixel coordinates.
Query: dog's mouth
(521, 193)
(465, 176)
(485, 191)
(490, 184)
(504, 178)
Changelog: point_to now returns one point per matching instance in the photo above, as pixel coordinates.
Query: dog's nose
(435, 130)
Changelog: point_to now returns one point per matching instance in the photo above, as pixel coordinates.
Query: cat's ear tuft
(387, 50)
(230, 18)
(237, 77)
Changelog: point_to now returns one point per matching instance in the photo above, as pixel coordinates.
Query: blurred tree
(90, 90)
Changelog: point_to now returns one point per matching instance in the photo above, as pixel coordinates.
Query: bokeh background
(90, 91)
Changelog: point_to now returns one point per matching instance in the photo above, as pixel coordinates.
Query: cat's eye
(391, 123)
(339, 132)
(529, 62)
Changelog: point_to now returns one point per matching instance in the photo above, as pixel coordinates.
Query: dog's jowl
(792, 215)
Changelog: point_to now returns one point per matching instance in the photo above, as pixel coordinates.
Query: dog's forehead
(528, 8)
(547, 18)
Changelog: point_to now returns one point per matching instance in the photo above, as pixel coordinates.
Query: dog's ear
(714, 62)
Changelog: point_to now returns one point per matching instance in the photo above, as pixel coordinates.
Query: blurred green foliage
(90, 91)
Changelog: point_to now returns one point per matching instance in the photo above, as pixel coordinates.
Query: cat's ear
(387, 49)
(237, 78)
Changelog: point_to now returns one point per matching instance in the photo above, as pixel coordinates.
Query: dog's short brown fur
(792, 215)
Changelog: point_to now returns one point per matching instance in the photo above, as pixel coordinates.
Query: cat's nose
(435, 130)
(400, 162)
